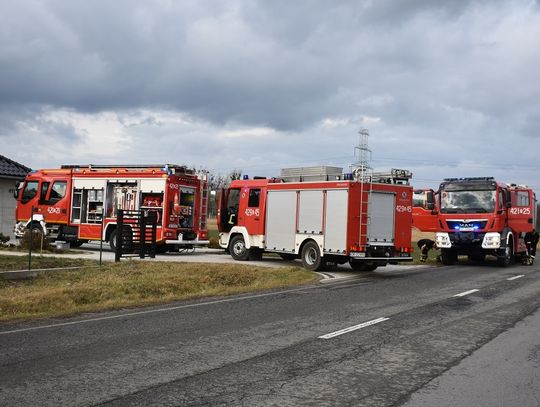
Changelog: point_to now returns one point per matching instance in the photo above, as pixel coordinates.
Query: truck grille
(468, 226)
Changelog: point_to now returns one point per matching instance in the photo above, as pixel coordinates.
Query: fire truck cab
(79, 203)
(325, 222)
(477, 217)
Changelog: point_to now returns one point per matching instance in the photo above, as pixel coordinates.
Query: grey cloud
(275, 63)
(445, 76)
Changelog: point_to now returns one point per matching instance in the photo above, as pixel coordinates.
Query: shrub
(3, 240)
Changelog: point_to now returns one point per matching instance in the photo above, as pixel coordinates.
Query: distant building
(10, 173)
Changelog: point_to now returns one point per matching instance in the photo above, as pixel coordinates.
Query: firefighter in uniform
(425, 245)
(531, 240)
(233, 214)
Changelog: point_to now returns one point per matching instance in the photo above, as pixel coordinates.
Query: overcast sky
(445, 88)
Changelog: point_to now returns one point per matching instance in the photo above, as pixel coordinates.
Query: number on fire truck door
(521, 216)
(249, 211)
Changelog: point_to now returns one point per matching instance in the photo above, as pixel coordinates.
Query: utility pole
(361, 169)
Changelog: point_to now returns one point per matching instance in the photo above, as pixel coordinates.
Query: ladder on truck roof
(173, 168)
(394, 176)
(203, 213)
(363, 173)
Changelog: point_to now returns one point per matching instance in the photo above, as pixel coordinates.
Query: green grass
(135, 283)
(12, 263)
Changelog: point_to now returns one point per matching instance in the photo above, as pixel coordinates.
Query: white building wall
(7, 207)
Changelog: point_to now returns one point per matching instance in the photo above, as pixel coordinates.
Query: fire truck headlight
(442, 240)
(492, 240)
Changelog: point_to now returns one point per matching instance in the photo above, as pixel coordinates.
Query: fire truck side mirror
(16, 190)
(430, 200)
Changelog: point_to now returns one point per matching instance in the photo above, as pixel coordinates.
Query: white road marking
(466, 293)
(515, 277)
(353, 328)
(152, 311)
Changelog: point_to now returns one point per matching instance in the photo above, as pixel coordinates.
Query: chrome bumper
(182, 242)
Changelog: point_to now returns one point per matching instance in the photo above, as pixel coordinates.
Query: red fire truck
(477, 217)
(367, 224)
(78, 203)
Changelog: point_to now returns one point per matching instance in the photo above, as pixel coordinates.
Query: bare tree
(216, 182)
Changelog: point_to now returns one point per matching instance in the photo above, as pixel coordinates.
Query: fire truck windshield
(469, 201)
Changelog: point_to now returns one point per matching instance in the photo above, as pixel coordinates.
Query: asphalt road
(504, 372)
(275, 348)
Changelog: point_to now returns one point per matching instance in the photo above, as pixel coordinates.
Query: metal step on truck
(320, 215)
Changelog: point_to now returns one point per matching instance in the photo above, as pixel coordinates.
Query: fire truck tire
(127, 242)
(238, 248)
(362, 266)
(506, 256)
(35, 227)
(448, 256)
(311, 257)
(112, 240)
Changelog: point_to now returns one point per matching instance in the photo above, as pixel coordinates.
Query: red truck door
(28, 197)
(53, 203)
(228, 209)
(521, 214)
(249, 213)
(425, 215)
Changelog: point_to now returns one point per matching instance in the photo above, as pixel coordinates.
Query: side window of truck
(254, 198)
(522, 198)
(58, 191)
(418, 199)
(30, 191)
(43, 192)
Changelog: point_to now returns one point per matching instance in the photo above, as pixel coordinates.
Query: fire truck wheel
(127, 239)
(112, 240)
(238, 249)
(311, 257)
(506, 256)
(36, 228)
(448, 256)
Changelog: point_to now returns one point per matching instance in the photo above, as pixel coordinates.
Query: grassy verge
(134, 283)
(12, 263)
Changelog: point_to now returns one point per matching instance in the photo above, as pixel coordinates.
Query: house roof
(12, 169)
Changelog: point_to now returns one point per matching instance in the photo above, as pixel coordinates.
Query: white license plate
(357, 254)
